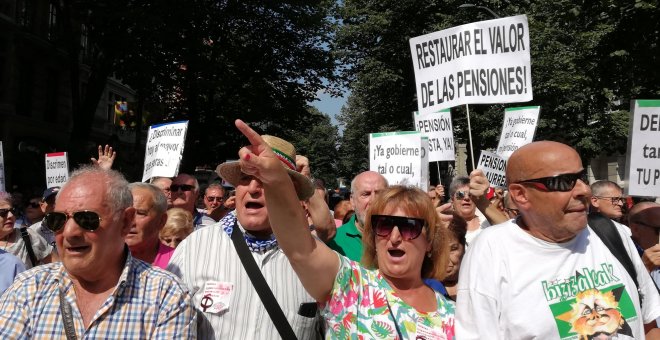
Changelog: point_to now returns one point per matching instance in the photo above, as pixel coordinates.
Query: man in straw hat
(208, 262)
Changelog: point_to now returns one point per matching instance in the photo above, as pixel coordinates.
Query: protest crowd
(527, 246)
(100, 257)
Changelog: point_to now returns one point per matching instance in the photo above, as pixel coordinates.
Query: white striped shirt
(209, 254)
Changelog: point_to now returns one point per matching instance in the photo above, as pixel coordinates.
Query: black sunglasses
(409, 227)
(86, 219)
(183, 187)
(563, 182)
(5, 212)
(33, 204)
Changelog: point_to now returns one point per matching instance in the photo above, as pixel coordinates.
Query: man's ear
(594, 202)
(518, 194)
(163, 220)
(127, 220)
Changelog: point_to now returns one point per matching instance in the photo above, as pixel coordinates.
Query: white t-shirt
(515, 286)
(470, 235)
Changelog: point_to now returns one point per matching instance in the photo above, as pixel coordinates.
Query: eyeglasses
(86, 219)
(461, 194)
(614, 200)
(563, 182)
(33, 204)
(410, 228)
(5, 212)
(183, 187)
(213, 198)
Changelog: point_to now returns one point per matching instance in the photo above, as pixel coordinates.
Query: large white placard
(481, 62)
(437, 127)
(397, 156)
(164, 149)
(518, 129)
(643, 170)
(494, 167)
(57, 169)
(2, 168)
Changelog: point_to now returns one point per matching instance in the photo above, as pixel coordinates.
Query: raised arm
(478, 186)
(315, 264)
(106, 158)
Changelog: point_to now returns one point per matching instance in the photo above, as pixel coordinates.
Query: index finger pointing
(254, 138)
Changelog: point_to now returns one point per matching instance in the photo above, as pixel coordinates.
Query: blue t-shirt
(10, 266)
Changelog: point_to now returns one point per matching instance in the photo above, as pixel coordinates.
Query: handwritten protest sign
(164, 149)
(2, 168)
(643, 170)
(494, 167)
(397, 156)
(518, 129)
(482, 62)
(436, 126)
(57, 169)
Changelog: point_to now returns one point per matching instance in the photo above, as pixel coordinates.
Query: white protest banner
(518, 129)
(437, 127)
(397, 156)
(57, 169)
(424, 182)
(2, 168)
(164, 149)
(481, 62)
(643, 170)
(494, 167)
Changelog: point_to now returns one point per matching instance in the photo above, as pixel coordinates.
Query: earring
(428, 254)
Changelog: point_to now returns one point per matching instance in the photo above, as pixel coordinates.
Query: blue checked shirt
(147, 303)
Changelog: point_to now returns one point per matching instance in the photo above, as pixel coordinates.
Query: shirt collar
(352, 229)
(64, 279)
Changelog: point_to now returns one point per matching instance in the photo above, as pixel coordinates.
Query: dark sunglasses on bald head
(86, 219)
(563, 182)
(409, 227)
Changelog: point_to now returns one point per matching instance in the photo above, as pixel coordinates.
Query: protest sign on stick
(2, 168)
(518, 129)
(478, 63)
(643, 164)
(437, 127)
(494, 167)
(397, 156)
(164, 149)
(424, 182)
(57, 169)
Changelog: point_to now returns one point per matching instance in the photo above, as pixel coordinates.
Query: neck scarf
(229, 222)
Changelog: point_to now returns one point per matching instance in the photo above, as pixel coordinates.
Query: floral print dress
(362, 305)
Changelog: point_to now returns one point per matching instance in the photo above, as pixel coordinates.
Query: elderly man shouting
(98, 291)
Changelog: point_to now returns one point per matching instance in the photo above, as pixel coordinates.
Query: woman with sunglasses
(11, 240)
(404, 242)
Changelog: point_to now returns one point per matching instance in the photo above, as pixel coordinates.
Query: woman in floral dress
(404, 241)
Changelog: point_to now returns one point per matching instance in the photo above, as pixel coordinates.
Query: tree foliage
(589, 59)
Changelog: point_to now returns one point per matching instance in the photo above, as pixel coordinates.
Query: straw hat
(286, 153)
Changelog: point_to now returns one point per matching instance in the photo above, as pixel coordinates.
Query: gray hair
(5, 197)
(598, 188)
(457, 182)
(358, 175)
(160, 201)
(195, 182)
(215, 186)
(117, 193)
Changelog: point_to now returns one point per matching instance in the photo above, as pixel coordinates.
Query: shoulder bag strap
(67, 317)
(28, 246)
(605, 229)
(261, 286)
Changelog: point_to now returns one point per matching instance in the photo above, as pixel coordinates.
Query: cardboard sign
(2, 168)
(164, 149)
(482, 62)
(518, 129)
(436, 126)
(397, 156)
(57, 169)
(643, 170)
(494, 167)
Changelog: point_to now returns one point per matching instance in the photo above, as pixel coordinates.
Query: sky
(329, 105)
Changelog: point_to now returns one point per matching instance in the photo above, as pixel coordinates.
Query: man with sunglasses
(47, 205)
(546, 274)
(607, 199)
(185, 190)
(99, 290)
(214, 199)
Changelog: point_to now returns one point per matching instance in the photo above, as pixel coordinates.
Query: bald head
(551, 212)
(644, 223)
(535, 158)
